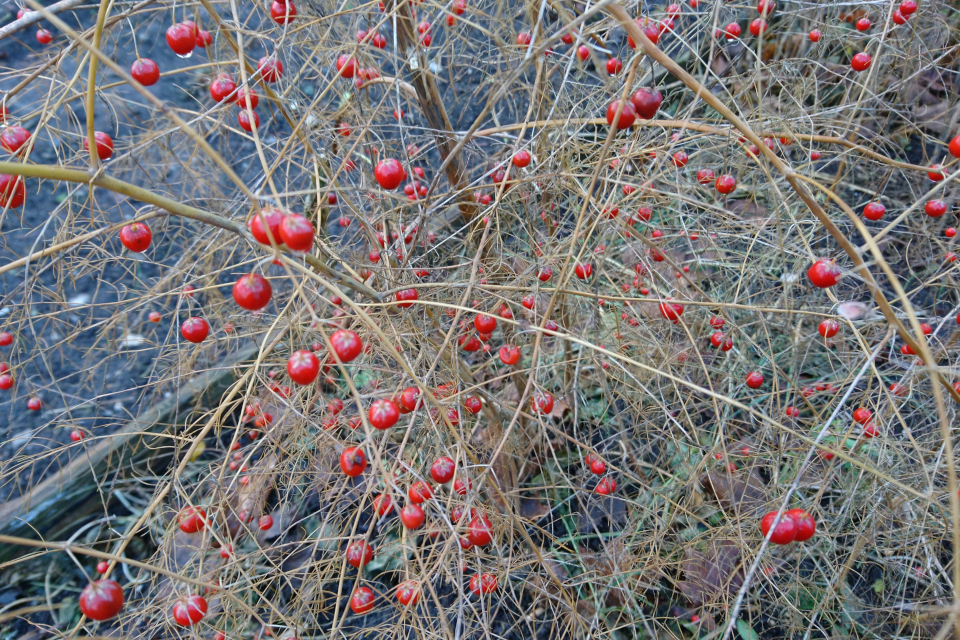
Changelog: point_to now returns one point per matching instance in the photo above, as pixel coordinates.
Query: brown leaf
(712, 573)
(740, 492)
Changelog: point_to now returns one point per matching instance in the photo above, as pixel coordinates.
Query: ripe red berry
(243, 119)
(283, 12)
(732, 31)
(362, 600)
(521, 159)
(189, 611)
(145, 71)
(898, 17)
(828, 328)
(874, 211)
(389, 173)
(804, 524)
(13, 138)
(614, 66)
(191, 519)
(346, 345)
(353, 461)
(101, 600)
(627, 116)
(907, 7)
(303, 367)
(758, 26)
(509, 354)
(182, 39)
(136, 237)
(297, 232)
(473, 404)
(583, 52)
(823, 273)
(405, 298)
(408, 592)
(785, 531)
(863, 24)
(222, 88)
(483, 583)
(34, 404)
(102, 566)
(754, 379)
(12, 191)
(104, 145)
(815, 35)
(346, 66)
(485, 323)
(442, 470)
(705, 176)
(480, 531)
(935, 208)
(204, 38)
(646, 102)
(606, 486)
(382, 504)
(268, 219)
(860, 61)
(44, 36)
(265, 523)
(671, 311)
(359, 553)
(195, 330)
(6, 338)
(247, 95)
(862, 415)
(270, 68)
(412, 516)
(583, 270)
(419, 492)
(541, 403)
(252, 291)
(383, 414)
(725, 184)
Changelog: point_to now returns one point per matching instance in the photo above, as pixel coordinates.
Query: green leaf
(746, 631)
(878, 587)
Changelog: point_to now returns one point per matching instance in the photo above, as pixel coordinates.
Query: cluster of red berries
(795, 525)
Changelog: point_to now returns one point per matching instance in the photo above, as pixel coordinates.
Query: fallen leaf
(533, 509)
(742, 493)
(712, 573)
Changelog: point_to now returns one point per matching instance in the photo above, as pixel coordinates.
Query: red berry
(823, 273)
(382, 504)
(145, 71)
(860, 61)
(44, 36)
(408, 592)
(935, 208)
(785, 531)
(412, 516)
(268, 219)
(296, 232)
(283, 12)
(13, 138)
(804, 523)
(362, 600)
(359, 553)
(483, 583)
(383, 414)
(907, 7)
(252, 291)
(758, 26)
(862, 415)
(732, 31)
(828, 328)
(671, 311)
(523, 38)
(754, 379)
(270, 68)
(303, 367)
(353, 461)
(627, 116)
(614, 66)
(874, 211)
(521, 159)
(405, 298)
(584, 270)
(101, 600)
(480, 531)
(346, 345)
(34, 404)
(473, 404)
(680, 159)
(222, 88)
(442, 470)
(389, 173)
(815, 35)
(245, 95)
(419, 492)
(606, 486)
(181, 38)
(646, 102)
(104, 145)
(189, 611)
(485, 323)
(863, 24)
(243, 119)
(102, 566)
(541, 403)
(265, 523)
(136, 237)
(195, 330)
(705, 176)
(346, 66)
(725, 184)
(509, 354)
